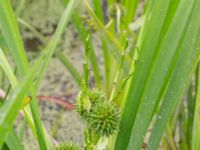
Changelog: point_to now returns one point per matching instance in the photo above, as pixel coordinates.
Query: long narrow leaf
(10, 109)
(10, 31)
(196, 123)
(181, 75)
(13, 141)
(51, 46)
(162, 66)
(154, 22)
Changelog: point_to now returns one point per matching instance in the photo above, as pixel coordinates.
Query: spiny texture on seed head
(87, 99)
(104, 119)
(95, 95)
(101, 116)
(67, 146)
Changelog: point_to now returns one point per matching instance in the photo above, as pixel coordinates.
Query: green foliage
(147, 79)
(10, 109)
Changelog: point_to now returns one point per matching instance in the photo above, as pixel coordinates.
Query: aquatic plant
(150, 62)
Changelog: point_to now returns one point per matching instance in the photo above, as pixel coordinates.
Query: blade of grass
(181, 75)
(11, 34)
(10, 31)
(11, 107)
(51, 46)
(196, 123)
(13, 141)
(8, 71)
(14, 83)
(131, 6)
(191, 98)
(154, 21)
(64, 60)
(98, 9)
(183, 143)
(162, 67)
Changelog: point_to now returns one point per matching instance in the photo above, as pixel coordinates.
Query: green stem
(92, 57)
(85, 62)
(118, 71)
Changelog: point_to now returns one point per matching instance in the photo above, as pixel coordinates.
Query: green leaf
(167, 40)
(196, 121)
(13, 141)
(51, 46)
(131, 6)
(10, 31)
(162, 66)
(150, 38)
(181, 75)
(98, 9)
(11, 107)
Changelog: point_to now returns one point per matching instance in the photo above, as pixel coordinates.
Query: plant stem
(85, 62)
(118, 71)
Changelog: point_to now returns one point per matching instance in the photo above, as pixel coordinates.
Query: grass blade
(13, 142)
(181, 76)
(147, 48)
(10, 31)
(196, 123)
(64, 60)
(98, 9)
(50, 48)
(131, 6)
(162, 66)
(10, 109)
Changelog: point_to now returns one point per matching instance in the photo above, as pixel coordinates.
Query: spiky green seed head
(101, 116)
(87, 99)
(67, 146)
(104, 119)
(95, 96)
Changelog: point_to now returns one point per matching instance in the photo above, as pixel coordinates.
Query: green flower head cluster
(101, 116)
(67, 146)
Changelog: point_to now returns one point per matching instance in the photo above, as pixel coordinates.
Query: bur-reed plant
(136, 101)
